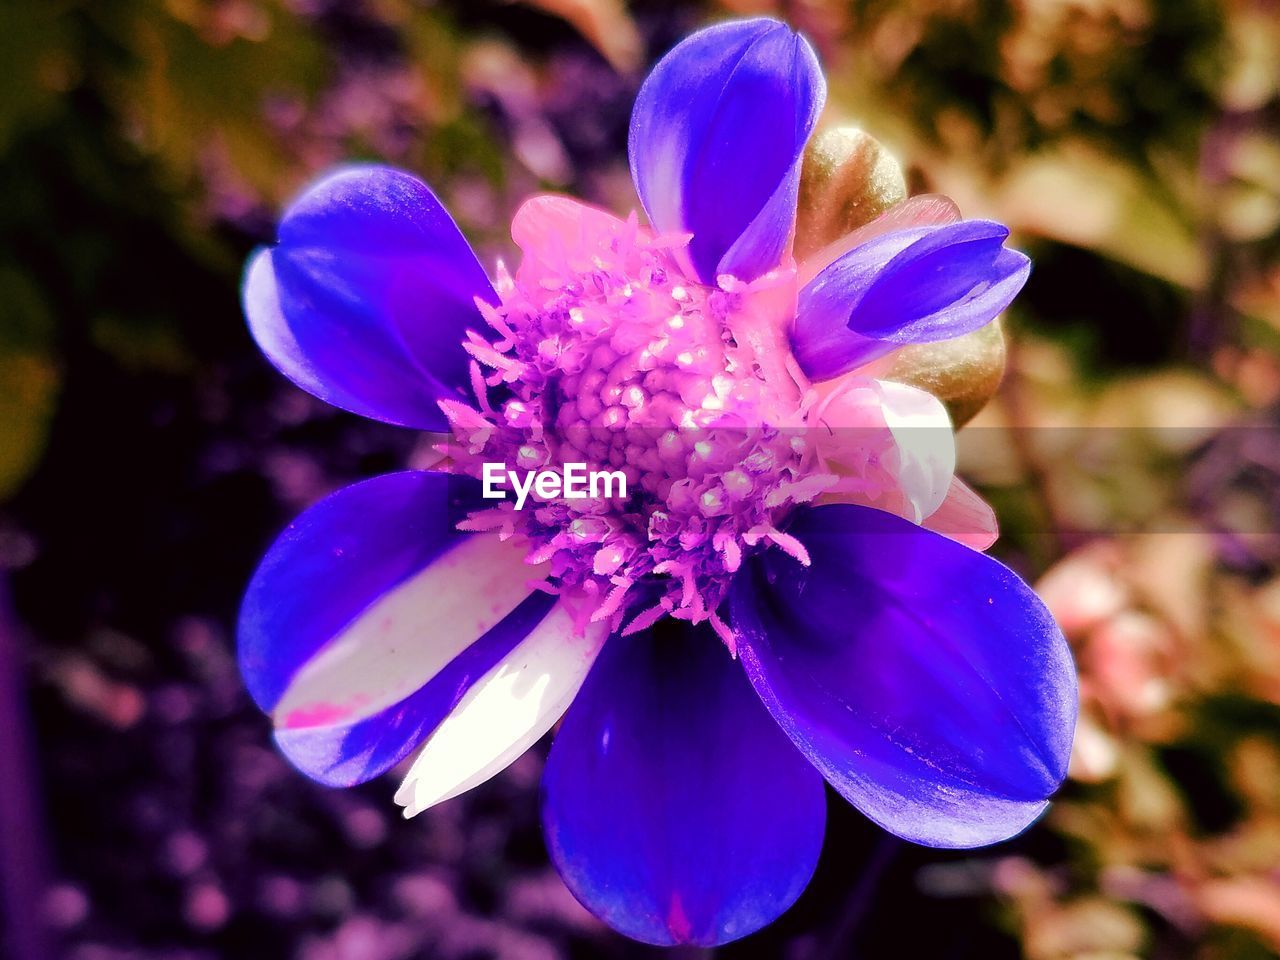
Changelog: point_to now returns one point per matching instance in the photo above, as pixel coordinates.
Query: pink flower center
(608, 354)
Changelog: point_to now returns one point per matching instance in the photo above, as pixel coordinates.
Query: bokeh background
(148, 455)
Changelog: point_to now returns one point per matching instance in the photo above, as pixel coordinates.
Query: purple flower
(788, 590)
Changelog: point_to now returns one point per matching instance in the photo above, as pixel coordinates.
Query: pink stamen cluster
(608, 354)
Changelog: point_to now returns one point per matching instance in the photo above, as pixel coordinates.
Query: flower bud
(848, 179)
(964, 372)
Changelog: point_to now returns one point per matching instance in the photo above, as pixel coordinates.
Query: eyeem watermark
(575, 482)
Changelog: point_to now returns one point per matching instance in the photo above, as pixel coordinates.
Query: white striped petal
(408, 635)
(890, 445)
(504, 713)
(925, 444)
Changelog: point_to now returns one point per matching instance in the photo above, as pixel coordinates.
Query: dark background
(148, 454)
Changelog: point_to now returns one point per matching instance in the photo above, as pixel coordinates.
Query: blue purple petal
(717, 136)
(357, 631)
(910, 286)
(367, 296)
(925, 680)
(336, 559)
(342, 755)
(673, 807)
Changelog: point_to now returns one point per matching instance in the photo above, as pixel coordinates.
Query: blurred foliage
(28, 378)
(147, 453)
